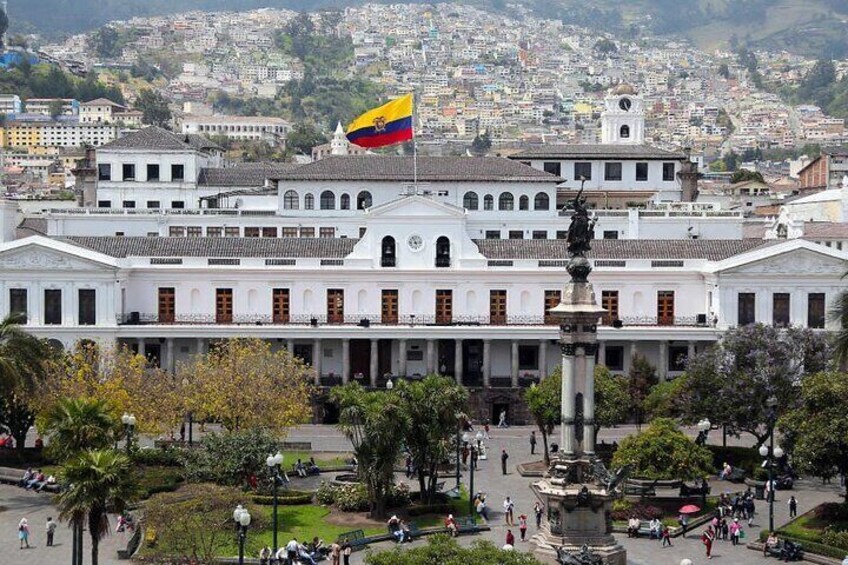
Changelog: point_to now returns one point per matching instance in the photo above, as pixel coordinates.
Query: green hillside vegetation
(821, 87)
(47, 81)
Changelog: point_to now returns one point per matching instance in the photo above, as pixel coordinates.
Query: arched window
(506, 201)
(309, 202)
(387, 254)
(470, 201)
(524, 202)
(443, 252)
(328, 200)
(291, 201)
(488, 202)
(624, 132)
(541, 202)
(345, 205)
(363, 200)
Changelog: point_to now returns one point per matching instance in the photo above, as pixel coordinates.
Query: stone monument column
(589, 401)
(568, 439)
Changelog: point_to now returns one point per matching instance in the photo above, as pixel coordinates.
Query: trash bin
(760, 492)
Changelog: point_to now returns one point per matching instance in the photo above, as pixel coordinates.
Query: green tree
(56, 107)
(838, 314)
(481, 144)
(641, 378)
(78, 424)
(663, 452)
(21, 355)
(154, 107)
(663, 400)
(744, 175)
(544, 401)
(431, 409)
(373, 422)
(16, 416)
(816, 433)
(106, 42)
(100, 482)
(612, 398)
(724, 71)
(231, 457)
(303, 137)
(444, 550)
(4, 25)
(730, 382)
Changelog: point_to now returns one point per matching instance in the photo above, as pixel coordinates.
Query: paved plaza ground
(809, 492)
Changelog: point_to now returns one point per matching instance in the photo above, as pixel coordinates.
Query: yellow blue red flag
(390, 123)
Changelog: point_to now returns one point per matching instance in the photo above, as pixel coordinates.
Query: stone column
(430, 360)
(374, 365)
(317, 357)
(487, 363)
(345, 361)
(172, 361)
(690, 353)
(602, 353)
(290, 346)
(543, 359)
(633, 351)
(589, 401)
(662, 369)
(457, 361)
(568, 401)
(513, 371)
(141, 347)
(200, 346)
(402, 357)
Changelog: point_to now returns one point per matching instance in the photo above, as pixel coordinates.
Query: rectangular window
(746, 310)
(87, 308)
(177, 204)
(609, 302)
(307, 232)
(610, 234)
(780, 308)
(552, 300)
(223, 305)
(335, 306)
(668, 171)
(129, 203)
(327, 232)
(562, 234)
(614, 357)
(528, 357)
(540, 234)
(214, 232)
(152, 172)
(53, 307)
(104, 203)
(553, 167)
(177, 173)
(444, 306)
(128, 171)
(18, 303)
(280, 306)
(289, 232)
(815, 310)
(389, 314)
(678, 356)
(582, 171)
(231, 231)
(153, 204)
(167, 304)
(176, 231)
(269, 232)
(493, 234)
(194, 231)
(104, 171)
(516, 234)
(251, 232)
(497, 307)
(612, 171)
(665, 308)
(641, 171)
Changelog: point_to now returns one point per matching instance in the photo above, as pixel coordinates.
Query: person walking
(533, 442)
(750, 510)
(522, 526)
(335, 553)
(502, 420)
(23, 532)
(793, 506)
(504, 457)
(537, 510)
(735, 531)
(347, 550)
(50, 528)
(666, 536)
(707, 539)
(508, 507)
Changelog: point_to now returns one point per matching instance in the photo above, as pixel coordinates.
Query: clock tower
(623, 118)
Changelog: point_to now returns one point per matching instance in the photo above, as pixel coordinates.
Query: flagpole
(414, 144)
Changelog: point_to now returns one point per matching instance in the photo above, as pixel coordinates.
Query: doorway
(360, 357)
(472, 362)
(384, 357)
(497, 408)
(446, 357)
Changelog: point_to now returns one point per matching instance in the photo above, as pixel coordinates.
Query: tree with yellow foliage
(244, 384)
(124, 380)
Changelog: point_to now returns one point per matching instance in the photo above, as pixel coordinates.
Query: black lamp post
(242, 519)
(274, 462)
(460, 419)
(771, 454)
(471, 465)
(129, 428)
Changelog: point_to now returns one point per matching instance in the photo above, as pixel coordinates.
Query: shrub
(663, 452)
(168, 457)
(326, 493)
(352, 498)
(639, 510)
(835, 538)
(157, 479)
(285, 498)
(230, 458)
(832, 512)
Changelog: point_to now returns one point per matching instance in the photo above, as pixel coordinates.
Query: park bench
(686, 490)
(639, 490)
(11, 476)
(355, 538)
(132, 545)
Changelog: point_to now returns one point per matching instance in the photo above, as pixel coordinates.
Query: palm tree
(839, 314)
(99, 482)
(21, 354)
(78, 424)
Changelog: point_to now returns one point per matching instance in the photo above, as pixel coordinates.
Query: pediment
(796, 262)
(415, 206)
(34, 257)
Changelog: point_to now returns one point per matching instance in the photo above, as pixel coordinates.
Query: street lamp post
(459, 420)
(129, 427)
(703, 430)
(274, 462)
(771, 455)
(242, 519)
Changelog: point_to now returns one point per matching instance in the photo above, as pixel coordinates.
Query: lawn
(809, 528)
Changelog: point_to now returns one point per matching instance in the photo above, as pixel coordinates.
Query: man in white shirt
(656, 527)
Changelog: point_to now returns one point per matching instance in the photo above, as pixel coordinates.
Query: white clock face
(415, 242)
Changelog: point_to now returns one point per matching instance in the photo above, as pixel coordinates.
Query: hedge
(288, 498)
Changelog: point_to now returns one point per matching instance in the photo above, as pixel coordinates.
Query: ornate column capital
(568, 349)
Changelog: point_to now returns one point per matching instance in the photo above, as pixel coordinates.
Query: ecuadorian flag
(388, 124)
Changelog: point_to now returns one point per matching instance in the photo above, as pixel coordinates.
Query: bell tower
(623, 118)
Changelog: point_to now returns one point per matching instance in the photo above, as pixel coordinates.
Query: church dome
(623, 89)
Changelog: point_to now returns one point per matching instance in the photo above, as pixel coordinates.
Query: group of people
(399, 529)
(297, 553)
(741, 506)
(656, 530)
(24, 532)
(35, 480)
(305, 469)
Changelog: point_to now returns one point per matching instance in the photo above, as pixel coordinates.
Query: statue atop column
(581, 232)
